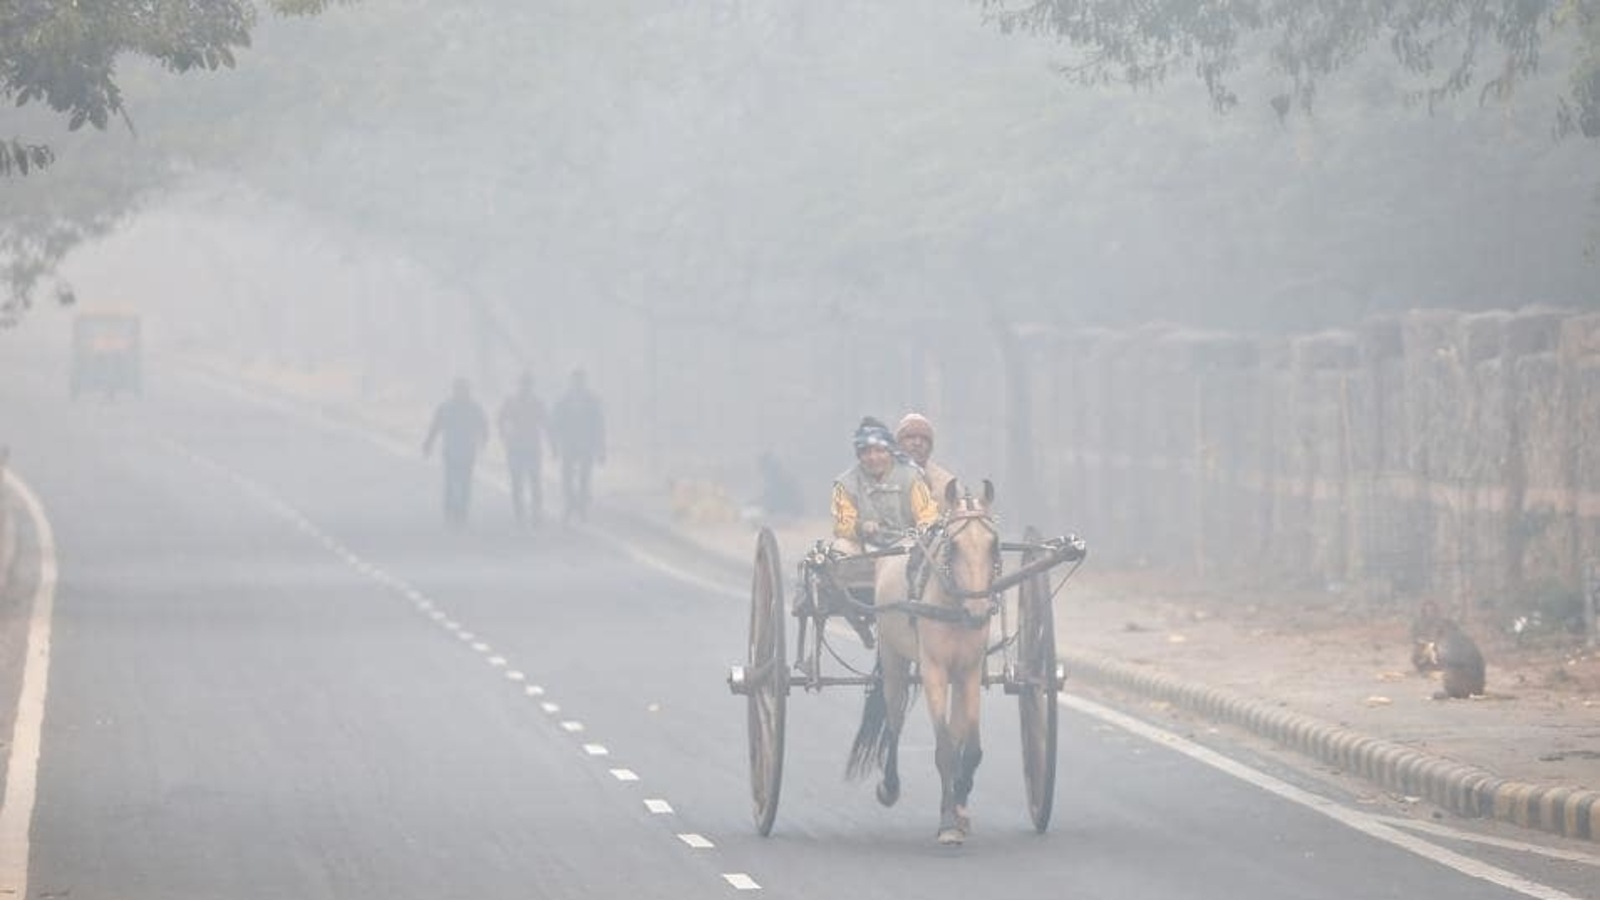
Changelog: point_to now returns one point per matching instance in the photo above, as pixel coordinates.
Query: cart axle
(1010, 678)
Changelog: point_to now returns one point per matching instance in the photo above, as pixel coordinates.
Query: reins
(1055, 552)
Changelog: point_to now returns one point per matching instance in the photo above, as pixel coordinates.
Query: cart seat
(857, 574)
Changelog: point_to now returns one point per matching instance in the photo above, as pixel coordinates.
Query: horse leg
(965, 707)
(897, 646)
(897, 695)
(947, 755)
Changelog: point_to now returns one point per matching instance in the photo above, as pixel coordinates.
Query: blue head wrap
(873, 433)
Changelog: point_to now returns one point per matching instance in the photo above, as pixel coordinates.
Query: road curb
(1463, 789)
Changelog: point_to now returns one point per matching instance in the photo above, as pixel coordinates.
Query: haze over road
(276, 673)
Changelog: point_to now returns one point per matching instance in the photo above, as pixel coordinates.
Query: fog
(754, 225)
(1311, 384)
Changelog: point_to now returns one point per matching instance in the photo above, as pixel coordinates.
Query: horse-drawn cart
(1018, 652)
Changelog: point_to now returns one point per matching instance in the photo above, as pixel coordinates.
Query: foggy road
(276, 673)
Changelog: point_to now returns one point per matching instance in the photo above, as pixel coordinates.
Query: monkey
(1439, 645)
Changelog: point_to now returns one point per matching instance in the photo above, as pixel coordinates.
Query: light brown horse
(962, 554)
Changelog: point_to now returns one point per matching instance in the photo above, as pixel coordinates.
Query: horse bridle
(938, 545)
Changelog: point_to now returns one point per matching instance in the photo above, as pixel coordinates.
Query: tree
(1452, 45)
(65, 54)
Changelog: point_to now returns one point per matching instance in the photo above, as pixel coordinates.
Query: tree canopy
(771, 167)
(65, 55)
(1453, 46)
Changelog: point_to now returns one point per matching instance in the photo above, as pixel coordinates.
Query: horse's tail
(871, 748)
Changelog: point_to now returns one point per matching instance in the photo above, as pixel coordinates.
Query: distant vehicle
(106, 353)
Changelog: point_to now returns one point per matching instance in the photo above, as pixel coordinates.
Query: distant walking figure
(464, 429)
(578, 437)
(523, 422)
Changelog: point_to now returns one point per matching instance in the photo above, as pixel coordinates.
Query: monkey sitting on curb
(1439, 645)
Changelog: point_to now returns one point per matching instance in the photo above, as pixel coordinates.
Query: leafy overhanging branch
(18, 158)
(1448, 42)
(65, 54)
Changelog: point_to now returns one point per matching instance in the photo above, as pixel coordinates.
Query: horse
(959, 558)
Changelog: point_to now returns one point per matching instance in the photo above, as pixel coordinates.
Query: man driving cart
(876, 504)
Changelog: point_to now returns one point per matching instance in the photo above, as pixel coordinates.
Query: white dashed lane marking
(427, 607)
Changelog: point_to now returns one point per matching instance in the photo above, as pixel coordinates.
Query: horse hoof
(888, 796)
(951, 837)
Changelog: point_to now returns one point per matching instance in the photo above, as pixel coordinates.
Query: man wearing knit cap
(915, 436)
(876, 502)
(879, 498)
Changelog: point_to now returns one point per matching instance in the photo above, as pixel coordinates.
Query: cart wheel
(1036, 668)
(767, 682)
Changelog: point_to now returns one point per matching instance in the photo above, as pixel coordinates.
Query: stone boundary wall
(1429, 452)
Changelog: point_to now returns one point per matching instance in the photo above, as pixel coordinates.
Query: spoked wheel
(766, 682)
(1036, 669)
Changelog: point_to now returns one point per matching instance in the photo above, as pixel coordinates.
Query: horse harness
(932, 556)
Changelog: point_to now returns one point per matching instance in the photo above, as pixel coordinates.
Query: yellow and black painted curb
(1462, 789)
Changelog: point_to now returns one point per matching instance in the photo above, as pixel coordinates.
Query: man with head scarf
(876, 504)
(879, 499)
(914, 434)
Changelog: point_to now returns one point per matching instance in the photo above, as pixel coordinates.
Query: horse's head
(966, 549)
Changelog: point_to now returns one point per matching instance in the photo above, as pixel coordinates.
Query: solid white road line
(1456, 834)
(1350, 818)
(22, 757)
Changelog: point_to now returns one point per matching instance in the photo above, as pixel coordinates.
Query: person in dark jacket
(578, 438)
(461, 426)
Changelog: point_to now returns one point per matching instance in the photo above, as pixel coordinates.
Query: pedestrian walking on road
(462, 428)
(523, 423)
(578, 438)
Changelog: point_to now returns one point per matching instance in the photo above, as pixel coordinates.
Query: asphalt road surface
(276, 673)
